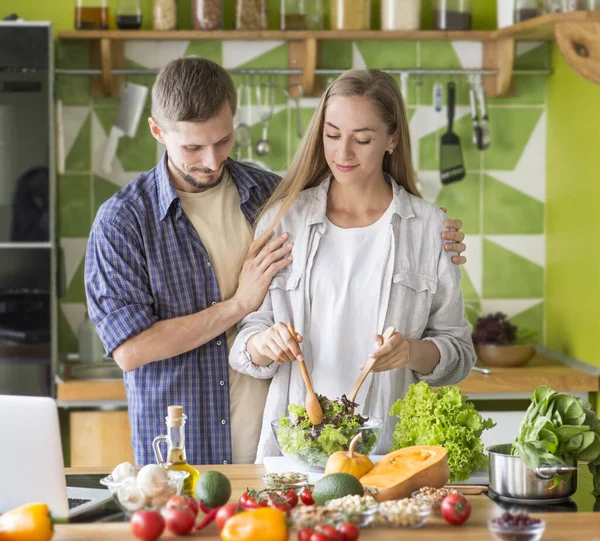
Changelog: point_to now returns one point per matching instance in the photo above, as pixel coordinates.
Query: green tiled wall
(501, 201)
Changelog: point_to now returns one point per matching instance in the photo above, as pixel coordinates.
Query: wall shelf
(577, 35)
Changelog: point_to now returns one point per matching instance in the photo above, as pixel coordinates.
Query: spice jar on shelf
(400, 14)
(129, 15)
(251, 15)
(207, 14)
(452, 14)
(91, 14)
(165, 14)
(526, 9)
(314, 14)
(350, 14)
(292, 15)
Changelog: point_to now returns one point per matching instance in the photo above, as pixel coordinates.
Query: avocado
(213, 489)
(336, 485)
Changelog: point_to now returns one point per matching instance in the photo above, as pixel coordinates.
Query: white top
(217, 217)
(420, 297)
(347, 274)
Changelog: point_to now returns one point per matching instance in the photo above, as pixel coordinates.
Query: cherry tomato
(179, 501)
(279, 502)
(306, 496)
(318, 536)
(225, 513)
(249, 502)
(330, 532)
(147, 525)
(455, 508)
(179, 520)
(291, 497)
(349, 531)
(304, 534)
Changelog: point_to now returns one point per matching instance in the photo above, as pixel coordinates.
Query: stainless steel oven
(28, 255)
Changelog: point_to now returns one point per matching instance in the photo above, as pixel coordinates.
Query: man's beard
(194, 183)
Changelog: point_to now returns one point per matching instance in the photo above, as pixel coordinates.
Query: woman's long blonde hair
(309, 167)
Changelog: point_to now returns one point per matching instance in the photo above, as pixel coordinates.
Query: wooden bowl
(508, 356)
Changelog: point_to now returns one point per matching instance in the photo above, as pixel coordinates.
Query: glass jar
(350, 14)
(593, 5)
(314, 14)
(400, 14)
(293, 15)
(453, 14)
(207, 14)
(526, 9)
(251, 15)
(91, 14)
(129, 15)
(556, 6)
(165, 14)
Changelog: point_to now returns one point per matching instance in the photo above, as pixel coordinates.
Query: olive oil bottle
(175, 440)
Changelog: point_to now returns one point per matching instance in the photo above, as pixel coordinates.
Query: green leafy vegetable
(445, 418)
(559, 428)
(312, 445)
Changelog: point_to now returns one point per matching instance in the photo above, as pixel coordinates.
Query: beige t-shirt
(226, 234)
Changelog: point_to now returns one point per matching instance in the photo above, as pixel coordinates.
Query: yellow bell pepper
(30, 522)
(264, 524)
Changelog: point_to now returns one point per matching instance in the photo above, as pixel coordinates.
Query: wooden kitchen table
(559, 526)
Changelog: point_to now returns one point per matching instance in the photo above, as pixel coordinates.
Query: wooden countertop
(559, 526)
(540, 371)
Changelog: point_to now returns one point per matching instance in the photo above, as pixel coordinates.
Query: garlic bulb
(123, 471)
(152, 480)
(130, 496)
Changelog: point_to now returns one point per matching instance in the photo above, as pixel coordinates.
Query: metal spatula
(452, 167)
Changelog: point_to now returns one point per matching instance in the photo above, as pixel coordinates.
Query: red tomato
(179, 520)
(306, 496)
(304, 534)
(330, 532)
(179, 501)
(249, 502)
(455, 509)
(225, 513)
(278, 502)
(291, 497)
(349, 531)
(317, 536)
(147, 525)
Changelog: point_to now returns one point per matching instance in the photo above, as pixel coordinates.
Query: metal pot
(510, 479)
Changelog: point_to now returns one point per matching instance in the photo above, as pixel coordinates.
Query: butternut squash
(397, 475)
(349, 462)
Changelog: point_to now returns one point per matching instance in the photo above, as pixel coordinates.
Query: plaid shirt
(145, 262)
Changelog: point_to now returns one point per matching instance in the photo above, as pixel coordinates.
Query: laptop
(31, 460)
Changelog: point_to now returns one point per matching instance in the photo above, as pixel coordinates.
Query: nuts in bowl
(433, 496)
(359, 510)
(288, 480)
(405, 513)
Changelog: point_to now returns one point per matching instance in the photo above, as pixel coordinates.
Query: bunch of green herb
(298, 437)
(444, 418)
(559, 428)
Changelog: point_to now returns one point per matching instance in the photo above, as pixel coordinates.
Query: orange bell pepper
(264, 524)
(30, 522)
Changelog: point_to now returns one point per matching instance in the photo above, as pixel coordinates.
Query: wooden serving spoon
(367, 368)
(312, 405)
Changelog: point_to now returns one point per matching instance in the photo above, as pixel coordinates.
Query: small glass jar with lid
(400, 14)
(526, 9)
(453, 14)
(350, 14)
(207, 14)
(129, 15)
(251, 15)
(91, 14)
(292, 15)
(164, 14)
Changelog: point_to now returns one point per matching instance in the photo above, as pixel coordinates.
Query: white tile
(523, 47)
(470, 54)
(510, 307)
(74, 252)
(529, 247)
(154, 54)
(358, 62)
(529, 182)
(75, 314)
(238, 53)
(73, 120)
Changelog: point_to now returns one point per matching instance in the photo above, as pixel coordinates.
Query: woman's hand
(454, 239)
(390, 353)
(278, 344)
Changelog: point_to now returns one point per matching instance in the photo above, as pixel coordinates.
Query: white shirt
(420, 297)
(345, 303)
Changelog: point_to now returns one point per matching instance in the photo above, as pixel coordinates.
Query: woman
(367, 255)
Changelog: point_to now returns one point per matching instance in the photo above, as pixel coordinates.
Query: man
(163, 277)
